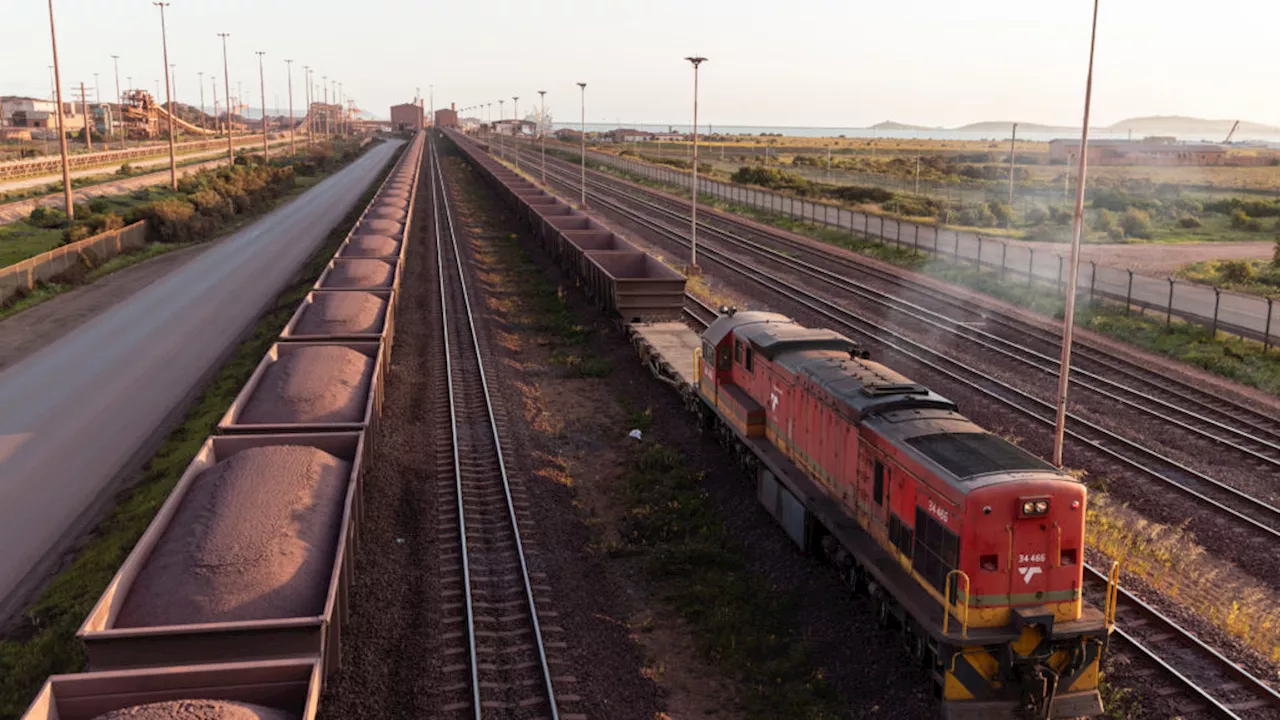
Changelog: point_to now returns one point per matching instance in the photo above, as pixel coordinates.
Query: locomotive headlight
(1042, 507)
(1028, 508)
(1034, 507)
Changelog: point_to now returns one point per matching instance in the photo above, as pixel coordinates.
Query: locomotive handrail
(946, 614)
(1057, 551)
(1113, 595)
(1008, 567)
(697, 367)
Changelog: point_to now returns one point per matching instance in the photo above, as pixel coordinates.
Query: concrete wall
(27, 274)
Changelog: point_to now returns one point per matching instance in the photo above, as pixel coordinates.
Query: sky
(823, 63)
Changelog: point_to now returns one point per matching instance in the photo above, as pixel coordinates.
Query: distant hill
(1181, 125)
(890, 125)
(1004, 126)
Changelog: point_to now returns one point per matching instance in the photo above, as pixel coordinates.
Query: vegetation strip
(45, 643)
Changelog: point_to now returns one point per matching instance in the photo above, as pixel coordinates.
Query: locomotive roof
(772, 333)
(864, 386)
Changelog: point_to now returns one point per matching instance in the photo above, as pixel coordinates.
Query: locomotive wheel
(884, 613)
(918, 647)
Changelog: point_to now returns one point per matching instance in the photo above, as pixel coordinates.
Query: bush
(1002, 212)
(47, 218)
(170, 220)
(1037, 216)
(125, 169)
(1060, 215)
(1189, 222)
(1240, 220)
(1236, 271)
(99, 205)
(1137, 223)
(1104, 221)
(76, 233)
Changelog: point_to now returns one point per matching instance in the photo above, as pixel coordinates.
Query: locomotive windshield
(968, 455)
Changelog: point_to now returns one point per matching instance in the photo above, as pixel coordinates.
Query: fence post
(916, 243)
(936, 232)
(1031, 265)
(1004, 252)
(978, 261)
(866, 226)
(882, 237)
(1093, 278)
(1128, 298)
(1061, 287)
(1217, 302)
(1266, 333)
(1168, 311)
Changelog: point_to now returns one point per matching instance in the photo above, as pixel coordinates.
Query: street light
(62, 132)
(515, 115)
(200, 82)
(226, 82)
(164, 43)
(311, 122)
(502, 111)
(115, 60)
(583, 138)
(289, 64)
(262, 88)
(693, 234)
(542, 132)
(1073, 276)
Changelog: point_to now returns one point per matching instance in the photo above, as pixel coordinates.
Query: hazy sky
(805, 62)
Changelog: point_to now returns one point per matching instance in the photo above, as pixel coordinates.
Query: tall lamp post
(115, 60)
(515, 115)
(311, 121)
(226, 82)
(164, 43)
(62, 131)
(502, 112)
(693, 227)
(262, 88)
(200, 82)
(542, 133)
(289, 64)
(1073, 275)
(583, 138)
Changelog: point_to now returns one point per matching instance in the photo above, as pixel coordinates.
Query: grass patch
(1259, 277)
(45, 644)
(1172, 563)
(739, 621)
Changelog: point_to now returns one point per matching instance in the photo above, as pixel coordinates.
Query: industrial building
(1148, 151)
(407, 117)
(447, 117)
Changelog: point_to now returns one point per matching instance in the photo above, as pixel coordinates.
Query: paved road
(75, 414)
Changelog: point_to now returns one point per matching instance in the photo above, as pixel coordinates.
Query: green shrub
(76, 233)
(170, 220)
(1104, 221)
(1189, 222)
(1037, 216)
(99, 205)
(1137, 223)
(1236, 271)
(1002, 212)
(47, 218)
(125, 169)
(210, 204)
(1240, 220)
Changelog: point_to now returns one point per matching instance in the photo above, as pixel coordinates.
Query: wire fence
(1241, 314)
(26, 275)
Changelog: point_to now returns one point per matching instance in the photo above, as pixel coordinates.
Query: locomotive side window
(747, 360)
(899, 534)
(877, 490)
(737, 351)
(724, 359)
(937, 550)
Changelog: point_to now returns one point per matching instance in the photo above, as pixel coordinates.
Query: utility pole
(262, 88)
(693, 236)
(213, 86)
(84, 103)
(542, 133)
(226, 81)
(62, 132)
(115, 60)
(173, 69)
(97, 90)
(325, 80)
(200, 82)
(502, 111)
(917, 175)
(164, 43)
(1073, 275)
(583, 138)
(292, 149)
(1013, 152)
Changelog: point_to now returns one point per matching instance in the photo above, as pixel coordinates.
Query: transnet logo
(1029, 572)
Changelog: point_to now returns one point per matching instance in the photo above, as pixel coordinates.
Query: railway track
(1197, 678)
(498, 666)
(1253, 516)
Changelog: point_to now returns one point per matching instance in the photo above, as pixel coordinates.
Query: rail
(479, 465)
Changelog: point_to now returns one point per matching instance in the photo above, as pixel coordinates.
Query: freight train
(968, 544)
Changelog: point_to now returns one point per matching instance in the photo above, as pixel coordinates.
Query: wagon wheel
(884, 614)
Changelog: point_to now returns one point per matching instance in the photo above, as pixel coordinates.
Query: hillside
(1182, 125)
(891, 125)
(1004, 126)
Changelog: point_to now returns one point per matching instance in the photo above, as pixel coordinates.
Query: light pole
(325, 80)
(173, 70)
(502, 148)
(1073, 275)
(200, 82)
(583, 138)
(62, 132)
(342, 123)
(164, 43)
(311, 121)
(693, 232)
(115, 60)
(226, 82)
(542, 133)
(213, 86)
(1013, 153)
(289, 64)
(262, 88)
(97, 90)
(515, 115)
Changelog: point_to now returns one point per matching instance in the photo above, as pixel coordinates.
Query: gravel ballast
(314, 384)
(197, 710)
(359, 274)
(253, 539)
(367, 245)
(345, 313)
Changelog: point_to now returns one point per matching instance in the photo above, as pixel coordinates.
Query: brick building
(407, 117)
(1148, 151)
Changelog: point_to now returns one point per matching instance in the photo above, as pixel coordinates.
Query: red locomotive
(972, 545)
